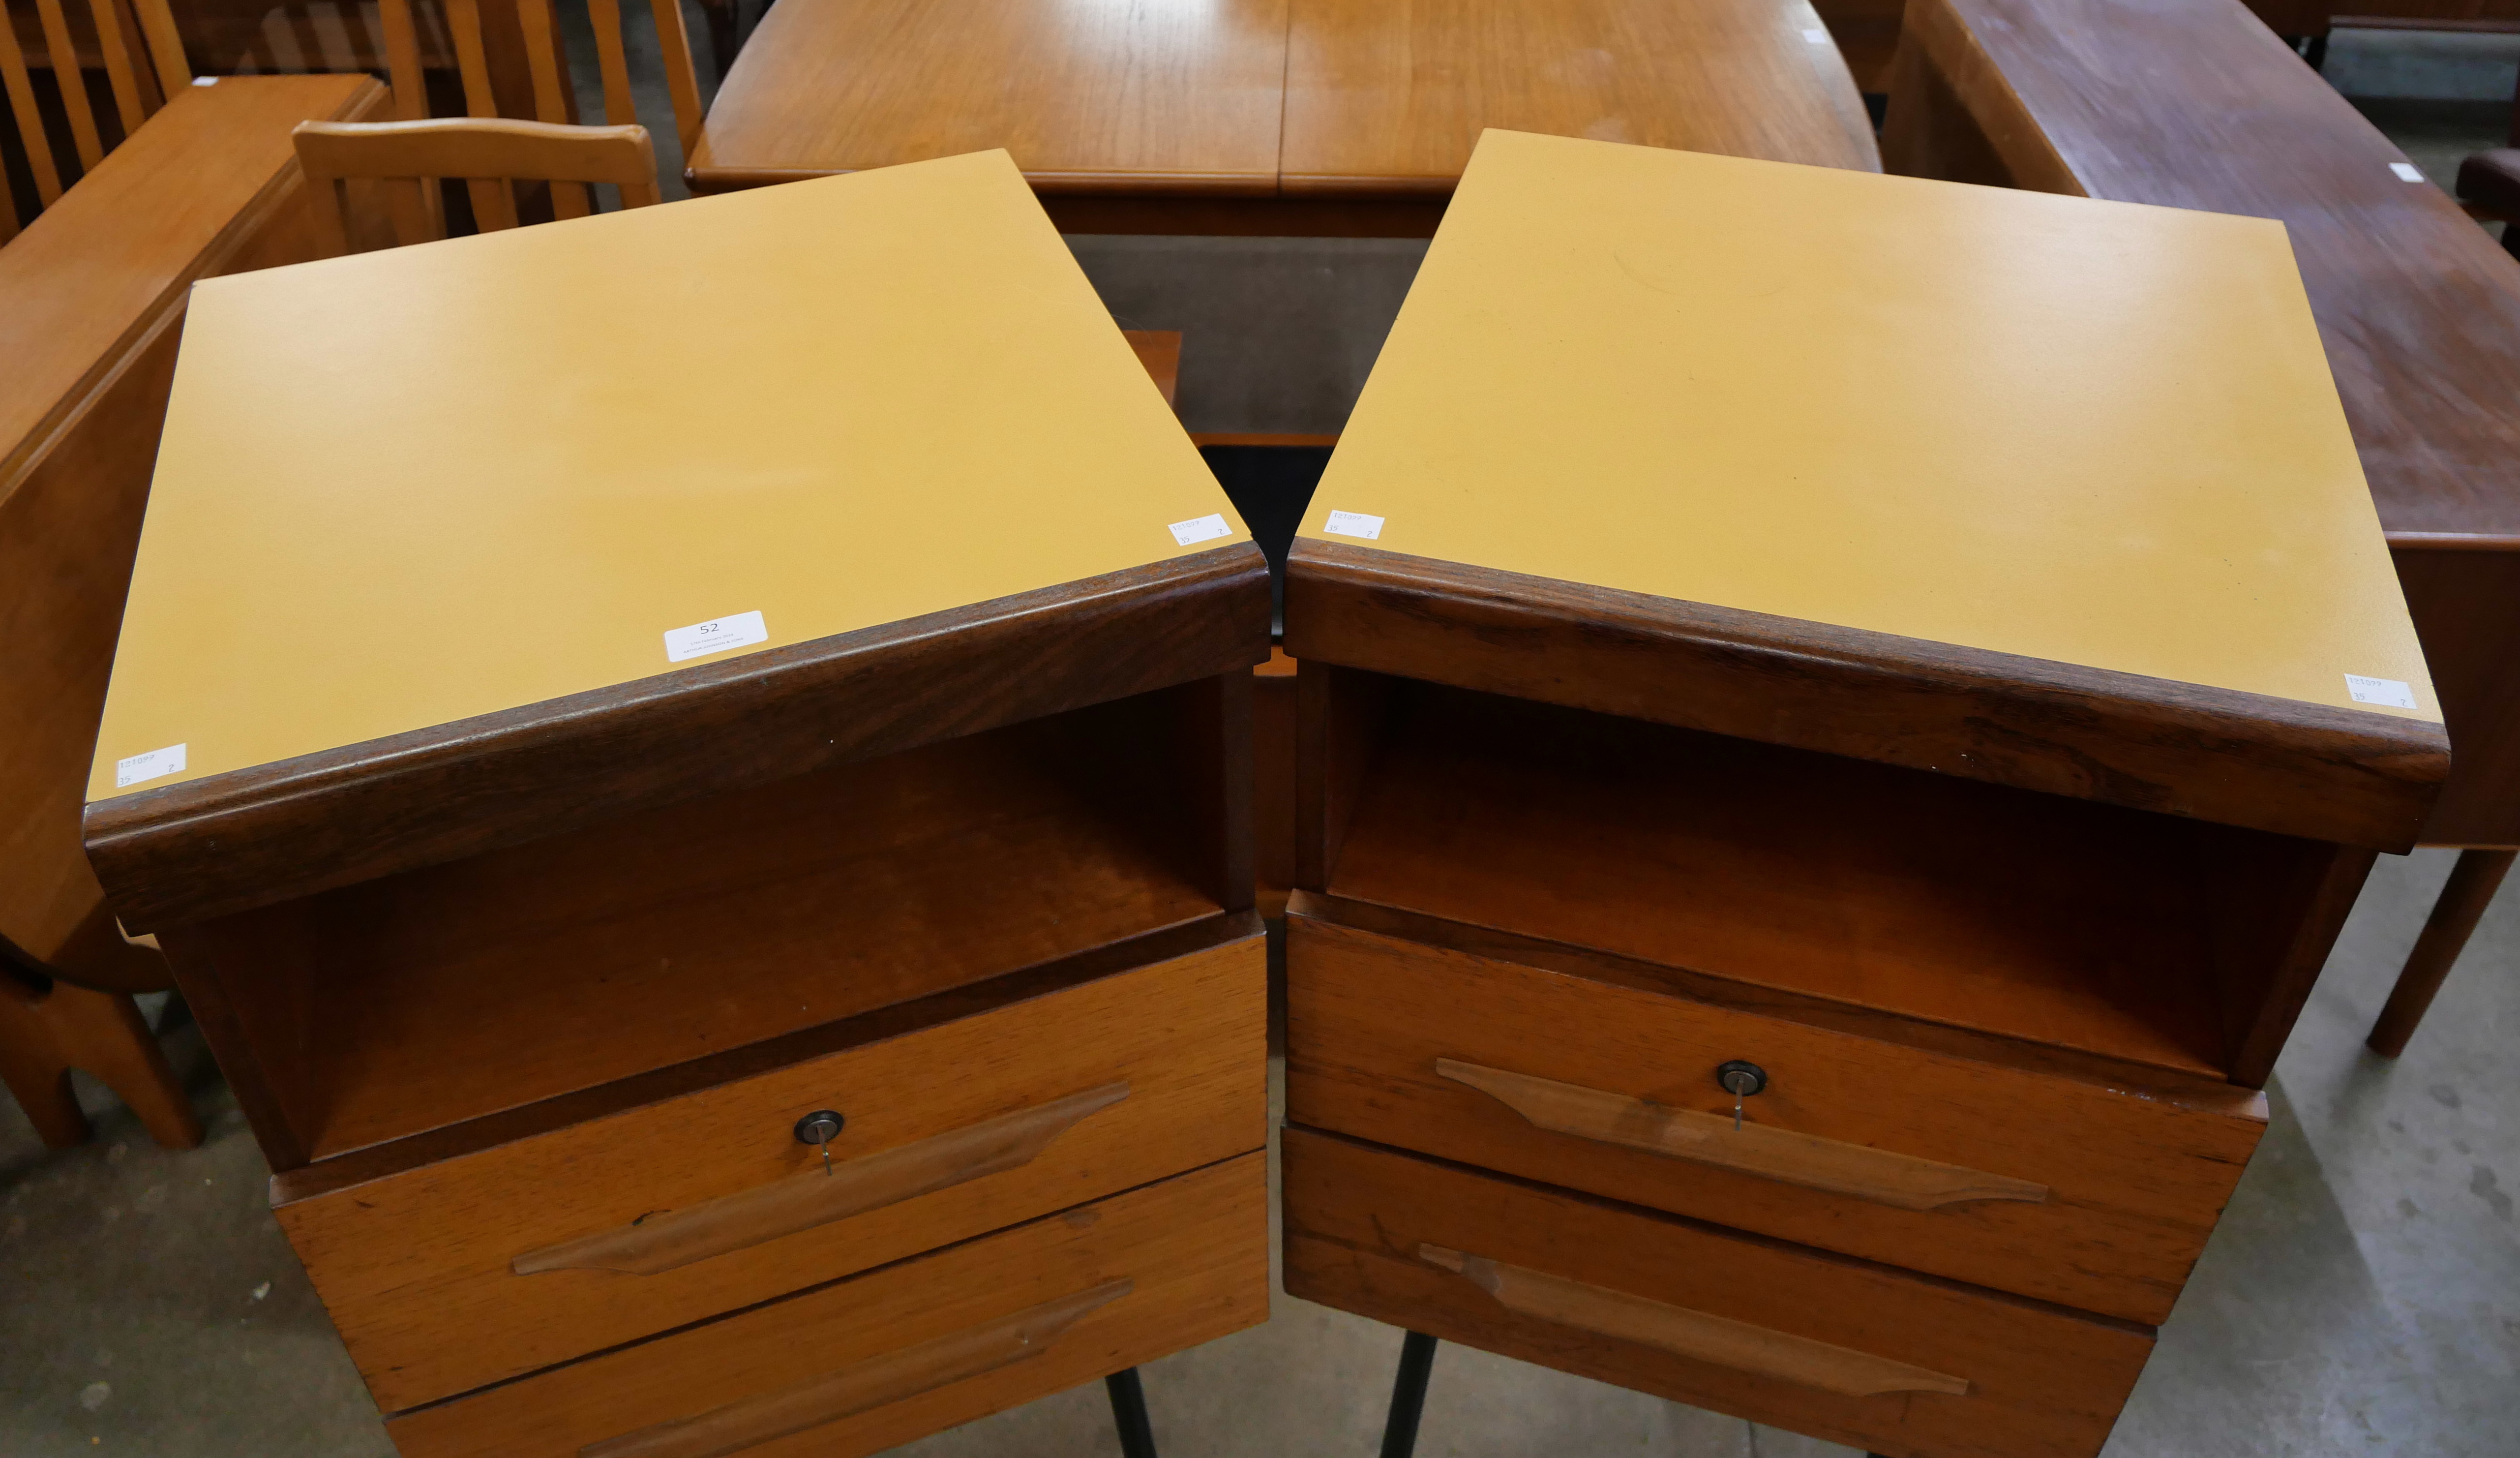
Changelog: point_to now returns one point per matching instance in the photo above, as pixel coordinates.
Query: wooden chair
(143, 65)
(486, 152)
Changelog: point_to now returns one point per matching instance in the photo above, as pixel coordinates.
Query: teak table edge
(2238, 758)
(250, 838)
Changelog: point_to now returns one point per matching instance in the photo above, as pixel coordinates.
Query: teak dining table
(1268, 117)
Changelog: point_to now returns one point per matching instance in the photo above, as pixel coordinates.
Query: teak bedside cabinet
(1831, 761)
(693, 766)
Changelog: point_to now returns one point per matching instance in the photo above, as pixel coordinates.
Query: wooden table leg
(43, 1036)
(2471, 888)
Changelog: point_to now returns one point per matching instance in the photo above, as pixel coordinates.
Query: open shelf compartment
(2057, 921)
(421, 1000)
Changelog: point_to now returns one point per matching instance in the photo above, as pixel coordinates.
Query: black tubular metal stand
(1408, 1394)
(1129, 1414)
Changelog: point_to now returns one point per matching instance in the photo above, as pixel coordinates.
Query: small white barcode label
(716, 635)
(2406, 171)
(2387, 691)
(1354, 524)
(1816, 36)
(154, 764)
(1205, 528)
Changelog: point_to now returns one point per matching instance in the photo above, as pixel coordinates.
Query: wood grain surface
(2043, 1383)
(1194, 1250)
(94, 272)
(72, 487)
(1115, 99)
(2150, 744)
(1944, 899)
(1387, 100)
(820, 1194)
(565, 964)
(2130, 1179)
(471, 1270)
(1211, 120)
(2465, 602)
(250, 838)
(1717, 1340)
(891, 1378)
(1833, 1166)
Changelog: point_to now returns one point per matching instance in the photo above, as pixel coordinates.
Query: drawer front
(894, 1355)
(1838, 1350)
(2040, 1185)
(479, 1268)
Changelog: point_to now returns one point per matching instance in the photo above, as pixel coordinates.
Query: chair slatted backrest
(143, 65)
(408, 157)
(548, 68)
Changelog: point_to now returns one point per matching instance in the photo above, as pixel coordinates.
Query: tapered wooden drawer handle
(1875, 1174)
(1716, 1340)
(800, 1202)
(869, 1384)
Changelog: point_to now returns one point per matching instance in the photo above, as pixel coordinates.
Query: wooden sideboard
(693, 766)
(1827, 771)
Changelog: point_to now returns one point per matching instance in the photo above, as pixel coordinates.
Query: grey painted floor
(2362, 1296)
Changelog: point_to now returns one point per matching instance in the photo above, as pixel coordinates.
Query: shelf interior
(2033, 916)
(417, 1001)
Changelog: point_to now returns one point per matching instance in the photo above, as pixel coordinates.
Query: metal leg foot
(1129, 1414)
(1409, 1396)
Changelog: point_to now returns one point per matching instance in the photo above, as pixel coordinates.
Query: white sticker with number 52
(716, 635)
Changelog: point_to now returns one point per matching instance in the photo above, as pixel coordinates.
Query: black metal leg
(1409, 1396)
(1129, 1414)
(2317, 55)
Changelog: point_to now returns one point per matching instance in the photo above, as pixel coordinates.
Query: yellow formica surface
(2086, 431)
(412, 486)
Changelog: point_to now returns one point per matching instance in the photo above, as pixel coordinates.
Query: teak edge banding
(250, 837)
(2150, 744)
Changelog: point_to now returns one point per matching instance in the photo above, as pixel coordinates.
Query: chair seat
(2492, 179)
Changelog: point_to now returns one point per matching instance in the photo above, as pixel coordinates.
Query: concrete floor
(2363, 1294)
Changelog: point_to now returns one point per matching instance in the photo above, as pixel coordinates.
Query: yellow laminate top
(2086, 431)
(409, 487)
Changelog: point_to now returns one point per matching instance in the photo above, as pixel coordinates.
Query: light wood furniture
(1826, 776)
(47, 1031)
(550, 952)
(92, 298)
(2198, 106)
(411, 156)
(1266, 115)
(132, 42)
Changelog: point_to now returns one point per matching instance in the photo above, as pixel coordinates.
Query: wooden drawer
(2044, 1185)
(478, 1268)
(1841, 1349)
(894, 1355)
